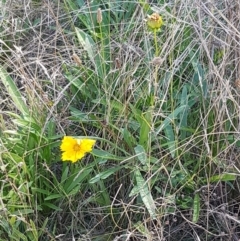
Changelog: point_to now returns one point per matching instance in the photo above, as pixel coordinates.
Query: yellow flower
(154, 21)
(75, 149)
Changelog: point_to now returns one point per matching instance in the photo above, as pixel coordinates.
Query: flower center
(76, 147)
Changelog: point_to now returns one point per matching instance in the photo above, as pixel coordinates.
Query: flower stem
(155, 87)
(155, 42)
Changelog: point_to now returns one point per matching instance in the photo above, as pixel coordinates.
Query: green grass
(162, 106)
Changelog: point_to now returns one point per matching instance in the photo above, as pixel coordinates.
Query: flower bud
(99, 15)
(154, 21)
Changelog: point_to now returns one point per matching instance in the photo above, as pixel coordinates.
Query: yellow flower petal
(73, 157)
(67, 143)
(75, 149)
(87, 144)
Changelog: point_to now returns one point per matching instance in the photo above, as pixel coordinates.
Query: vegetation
(155, 86)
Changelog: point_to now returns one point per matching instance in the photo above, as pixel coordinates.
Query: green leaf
(76, 179)
(145, 122)
(171, 140)
(199, 75)
(53, 196)
(223, 177)
(43, 226)
(116, 105)
(14, 157)
(145, 128)
(143, 230)
(106, 155)
(170, 118)
(79, 115)
(39, 190)
(104, 175)
(23, 211)
(90, 46)
(28, 124)
(52, 206)
(134, 191)
(141, 154)
(17, 235)
(145, 194)
(184, 114)
(33, 231)
(196, 208)
(65, 173)
(87, 43)
(13, 91)
(51, 129)
(128, 138)
(145, 5)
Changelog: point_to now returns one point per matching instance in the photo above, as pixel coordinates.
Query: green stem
(155, 87)
(102, 51)
(104, 73)
(155, 42)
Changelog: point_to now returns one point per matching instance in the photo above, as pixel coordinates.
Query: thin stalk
(155, 87)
